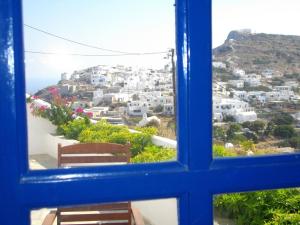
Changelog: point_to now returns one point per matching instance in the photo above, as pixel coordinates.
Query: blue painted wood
(12, 132)
(193, 179)
(199, 84)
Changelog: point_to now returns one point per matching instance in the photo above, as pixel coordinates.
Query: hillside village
(250, 86)
(254, 82)
(119, 94)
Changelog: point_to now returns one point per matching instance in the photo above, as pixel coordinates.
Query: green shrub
(295, 142)
(105, 132)
(233, 129)
(73, 128)
(261, 207)
(221, 151)
(219, 133)
(147, 130)
(284, 131)
(257, 126)
(248, 145)
(108, 133)
(154, 154)
(282, 119)
(238, 138)
(59, 115)
(138, 142)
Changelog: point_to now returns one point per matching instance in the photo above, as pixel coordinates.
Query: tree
(282, 119)
(228, 118)
(158, 109)
(295, 142)
(219, 133)
(257, 126)
(233, 128)
(284, 131)
(270, 128)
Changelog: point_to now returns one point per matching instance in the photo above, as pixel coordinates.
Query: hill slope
(257, 52)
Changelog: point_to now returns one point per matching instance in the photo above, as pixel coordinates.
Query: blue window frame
(193, 179)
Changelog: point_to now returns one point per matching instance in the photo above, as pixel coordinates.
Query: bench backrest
(87, 155)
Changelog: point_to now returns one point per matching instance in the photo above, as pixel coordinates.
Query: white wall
(158, 212)
(41, 136)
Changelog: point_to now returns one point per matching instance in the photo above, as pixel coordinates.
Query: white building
(259, 96)
(219, 65)
(219, 89)
(98, 79)
(242, 117)
(240, 110)
(242, 95)
(268, 73)
(168, 109)
(253, 80)
(97, 97)
(136, 108)
(239, 72)
(236, 83)
(97, 112)
(64, 76)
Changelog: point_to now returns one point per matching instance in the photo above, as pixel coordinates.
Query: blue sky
(126, 25)
(132, 25)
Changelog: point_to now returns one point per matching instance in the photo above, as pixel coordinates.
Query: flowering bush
(59, 112)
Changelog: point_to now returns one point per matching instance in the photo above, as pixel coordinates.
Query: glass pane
(256, 75)
(262, 207)
(151, 212)
(100, 72)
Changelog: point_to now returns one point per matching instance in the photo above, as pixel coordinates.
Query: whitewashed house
(240, 110)
(268, 73)
(253, 80)
(97, 112)
(236, 83)
(239, 72)
(168, 109)
(97, 97)
(293, 84)
(136, 108)
(242, 95)
(219, 65)
(220, 88)
(259, 96)
(98, 79)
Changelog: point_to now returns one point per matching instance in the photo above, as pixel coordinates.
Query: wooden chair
(121, 213)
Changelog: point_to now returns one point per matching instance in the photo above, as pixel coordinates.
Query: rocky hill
(255, 52)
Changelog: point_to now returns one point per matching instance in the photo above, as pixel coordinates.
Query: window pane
(256, 74)
(100, 72)
(262, 207)
(154, 212)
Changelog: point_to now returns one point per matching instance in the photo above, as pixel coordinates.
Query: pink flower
(89, 114)
(35, 97)
(43, 108)
(79, 110)
(53, 90)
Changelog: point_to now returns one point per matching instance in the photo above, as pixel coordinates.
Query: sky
(131, 26)
(261, 16)
(123, 25)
